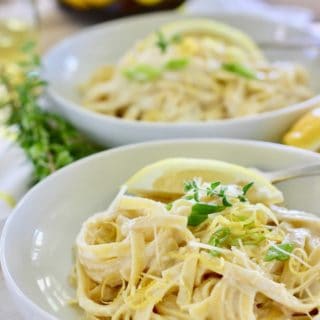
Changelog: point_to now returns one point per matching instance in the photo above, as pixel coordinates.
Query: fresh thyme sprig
(201, 211)
(49, 141)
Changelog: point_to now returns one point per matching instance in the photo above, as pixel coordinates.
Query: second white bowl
(72, 62)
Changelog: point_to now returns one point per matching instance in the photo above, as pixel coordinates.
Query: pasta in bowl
(216, 252)
(194, 70)
(43, 228)
(117, 106)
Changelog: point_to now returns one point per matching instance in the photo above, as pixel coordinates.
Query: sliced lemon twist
(213, 29)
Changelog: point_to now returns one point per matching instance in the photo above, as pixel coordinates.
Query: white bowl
(72, 61)
(36, 245)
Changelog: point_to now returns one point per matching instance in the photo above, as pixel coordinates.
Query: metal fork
(294, 172)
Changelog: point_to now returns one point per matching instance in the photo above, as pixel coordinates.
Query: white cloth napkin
(15, 173)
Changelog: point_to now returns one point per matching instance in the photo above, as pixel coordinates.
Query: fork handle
(294, 172)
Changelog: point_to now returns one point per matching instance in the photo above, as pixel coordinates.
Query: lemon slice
(164, 180)
(305, 133)
(211, 28)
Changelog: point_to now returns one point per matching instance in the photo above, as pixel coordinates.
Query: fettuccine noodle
(142, 259)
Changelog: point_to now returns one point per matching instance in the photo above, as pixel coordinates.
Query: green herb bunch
(49, 141)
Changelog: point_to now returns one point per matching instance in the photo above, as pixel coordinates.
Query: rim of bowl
(65, 103)
(9, 278)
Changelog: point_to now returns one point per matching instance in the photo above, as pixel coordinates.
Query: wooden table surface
(55, 25)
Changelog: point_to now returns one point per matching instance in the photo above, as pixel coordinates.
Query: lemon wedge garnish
(305, 133)
(164, 180)
(212, 29)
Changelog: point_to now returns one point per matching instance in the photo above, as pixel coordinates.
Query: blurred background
(51, 20)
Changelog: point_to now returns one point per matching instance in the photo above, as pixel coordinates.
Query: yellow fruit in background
(148, 2)
(84, 4)
(305, 133)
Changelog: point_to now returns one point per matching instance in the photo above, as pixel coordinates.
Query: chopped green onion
(195, 219)
(142, 72)
(176, 64)
(200, 212)
(240, 70)
(206, 209)
(169, 206)
(218, 239)
(279, 252)
(220, 236)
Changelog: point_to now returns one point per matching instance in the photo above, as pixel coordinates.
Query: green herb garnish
(142, 72)
(240, 70)
(200, 212)
(218, 239)
(195, 220)
(49, 141)
(163, 43)
(193, 188)
(190, 185)
(279, 252)
(176, 64)
(247, 187)
(169, 206)
(206, 209)
(226, 202)
(242, 198)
